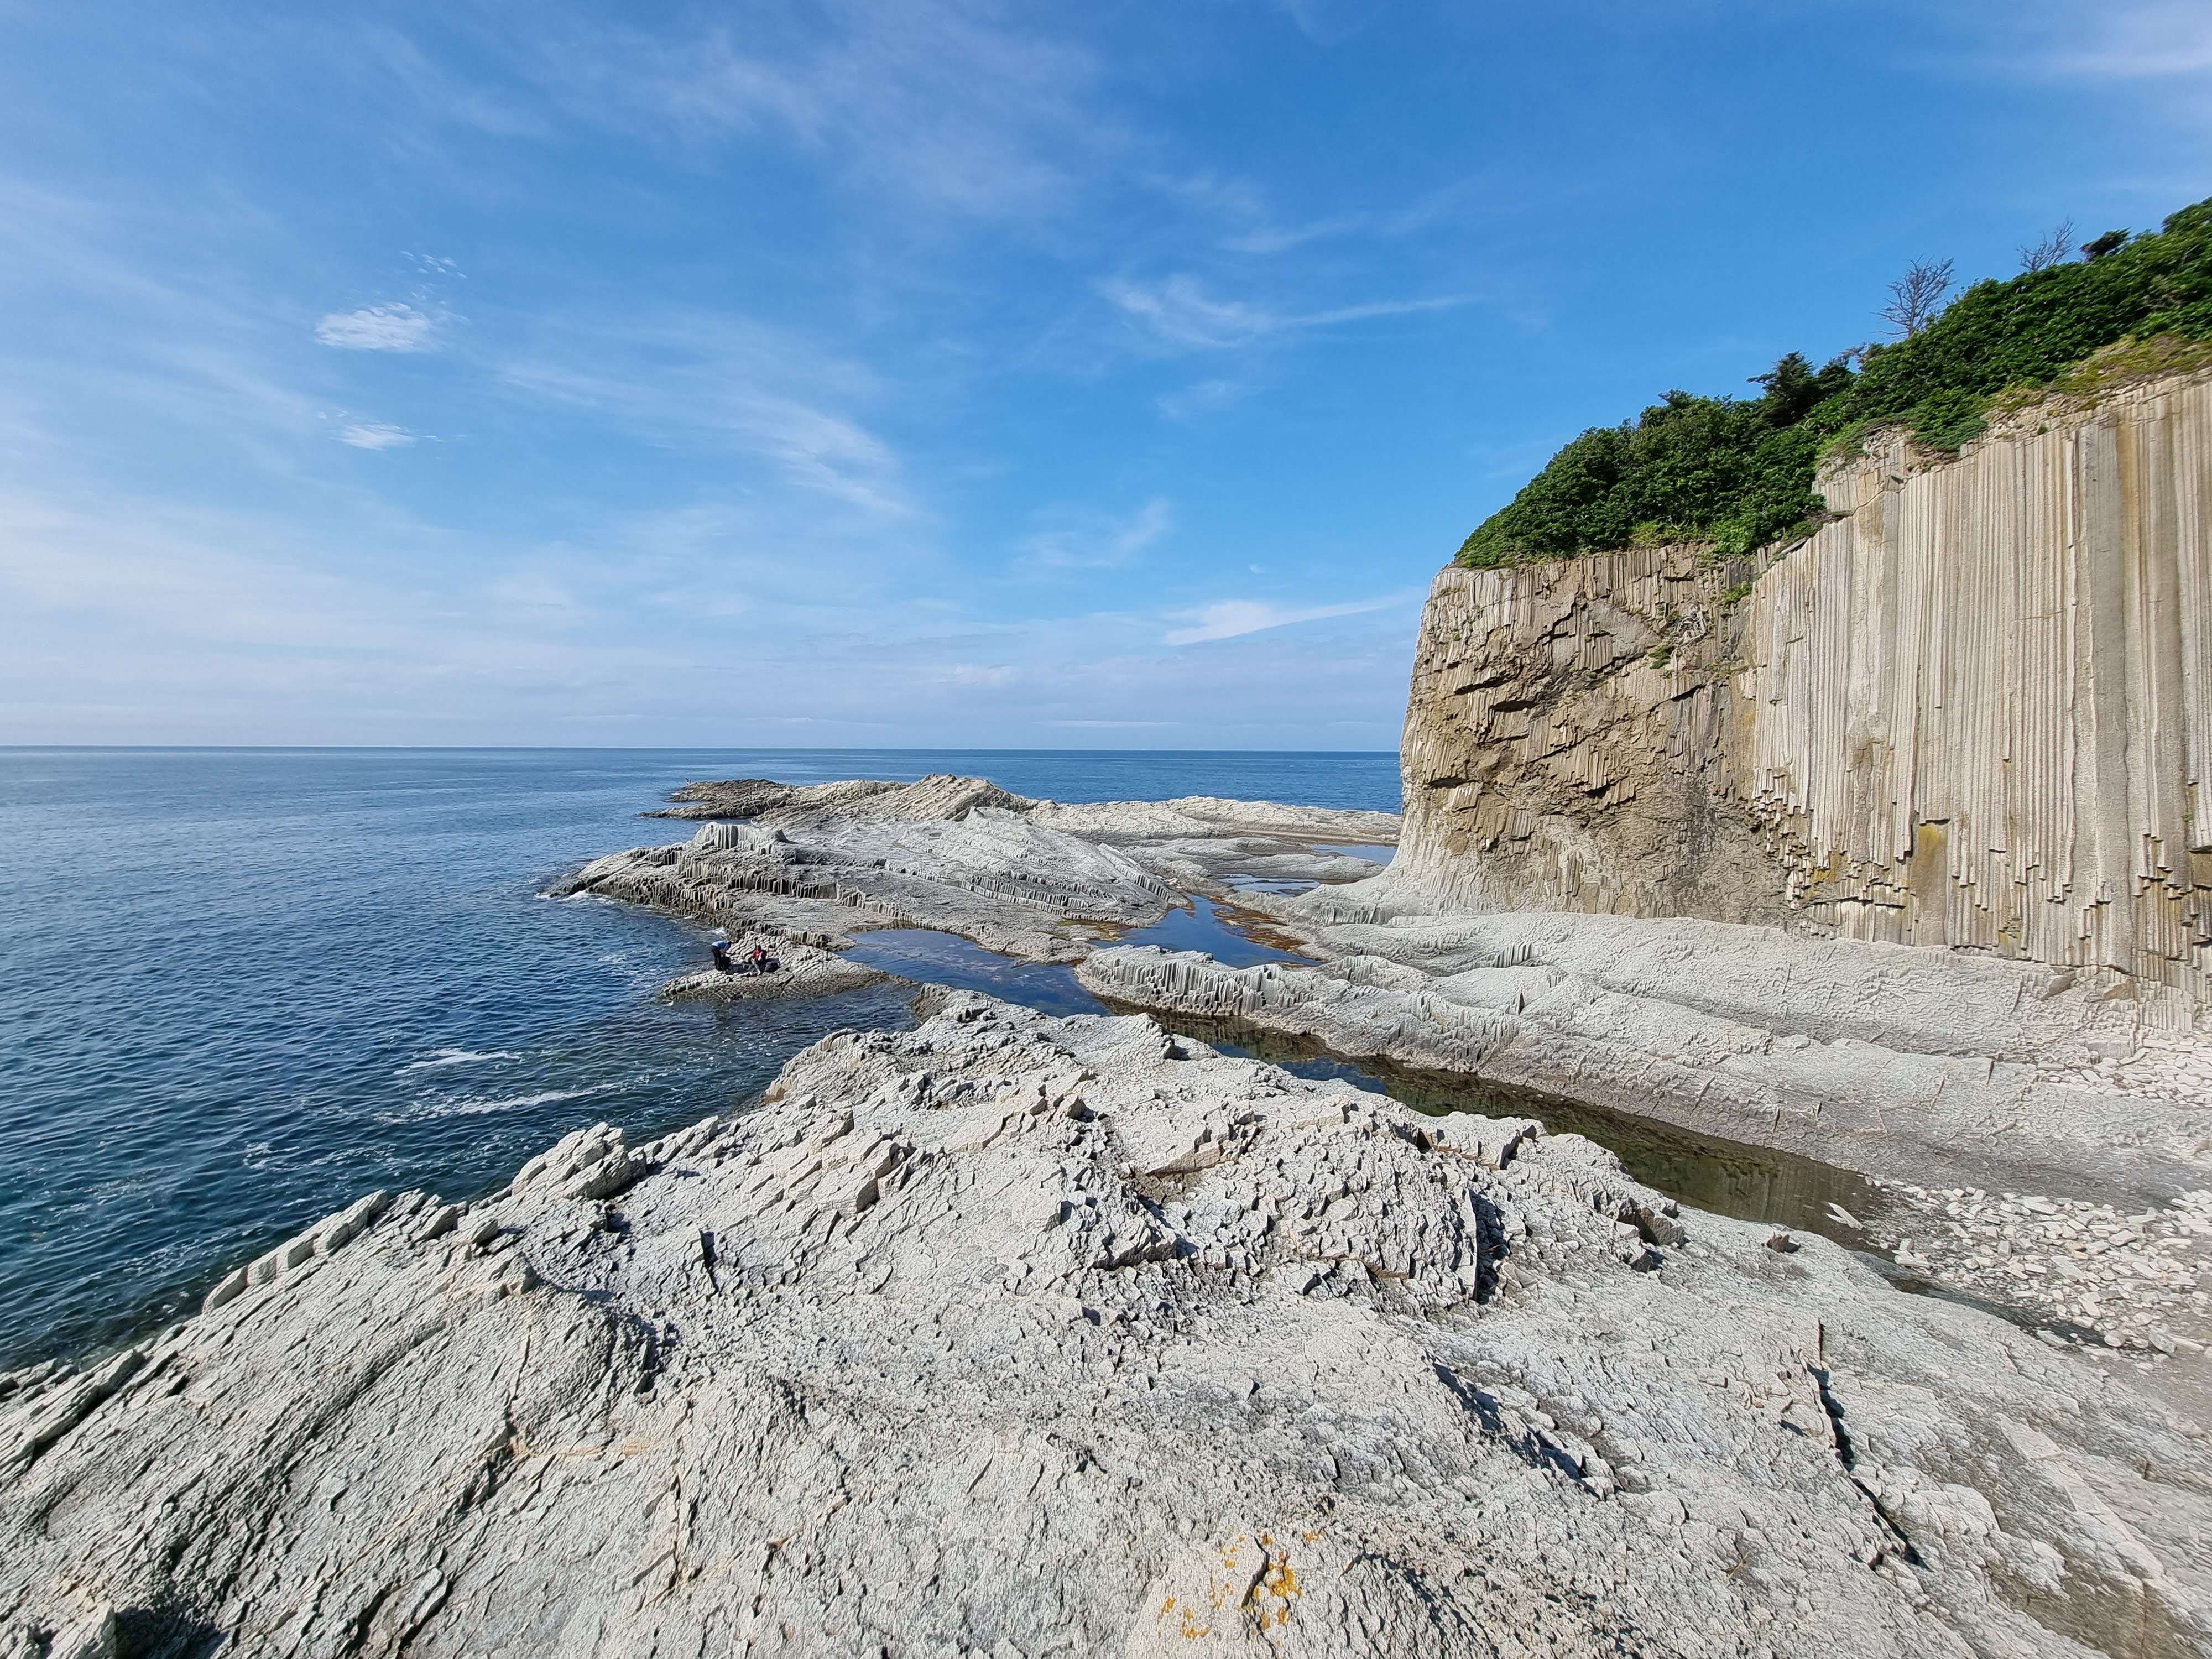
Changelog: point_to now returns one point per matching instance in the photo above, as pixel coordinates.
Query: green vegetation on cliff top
(1738, 471)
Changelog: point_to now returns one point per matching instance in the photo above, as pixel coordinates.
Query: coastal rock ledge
(1015, 1335)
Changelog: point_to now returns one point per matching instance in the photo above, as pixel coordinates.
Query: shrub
(1738, 471)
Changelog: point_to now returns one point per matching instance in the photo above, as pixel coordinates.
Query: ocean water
(237, 988)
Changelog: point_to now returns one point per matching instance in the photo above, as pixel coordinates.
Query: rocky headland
(1040, 880)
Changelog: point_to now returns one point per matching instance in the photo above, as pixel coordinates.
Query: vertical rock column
(1974, 711)
(1980, 703)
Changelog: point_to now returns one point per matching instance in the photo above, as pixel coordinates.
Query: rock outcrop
(1902, 1064)
(940, 797)
(1907, 1065)
(1042, 880)
(801, 970)
(1973, 712)
(1010, 1335)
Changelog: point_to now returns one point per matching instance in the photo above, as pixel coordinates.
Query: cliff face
(1973, 711)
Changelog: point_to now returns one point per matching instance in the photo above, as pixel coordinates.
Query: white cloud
(1179, 312)
(2159, 40)
(1103, 542)
(375, 434)
(379, 328)
(723, 383)
(936, 102)
(974, 673)
(152, 621)
(1227, 618)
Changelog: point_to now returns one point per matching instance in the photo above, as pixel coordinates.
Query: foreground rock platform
(1015, 1335)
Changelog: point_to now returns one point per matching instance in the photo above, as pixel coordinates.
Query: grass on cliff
(1738, 471)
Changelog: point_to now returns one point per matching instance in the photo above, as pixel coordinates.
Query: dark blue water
(240, 987)
(1199, 926)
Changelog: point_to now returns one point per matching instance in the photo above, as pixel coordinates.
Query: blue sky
(928, 372)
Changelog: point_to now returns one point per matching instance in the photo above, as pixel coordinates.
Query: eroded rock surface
(1894, 1062)
(1035, 879)
(1015, 1335)
(1906, 1064)
(801, 970)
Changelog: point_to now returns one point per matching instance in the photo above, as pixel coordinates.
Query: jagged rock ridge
(1014, 1335)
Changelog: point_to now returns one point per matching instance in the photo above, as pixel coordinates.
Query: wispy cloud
(937, 101)
(439, 96)
(1264, 235)
(1180, 312)
(375, 434)
(1281, 238)
(1227, 618)
(1328, 22)
(1199, 398)
(379, 328)
(1099, 541)
(2151, 39)
(722, 383)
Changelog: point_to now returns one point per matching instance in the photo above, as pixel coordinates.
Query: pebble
(2140, 1281)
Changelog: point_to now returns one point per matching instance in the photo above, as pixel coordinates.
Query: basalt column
(1973, 711)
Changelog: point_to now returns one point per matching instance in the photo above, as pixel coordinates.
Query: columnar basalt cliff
(1974, 710)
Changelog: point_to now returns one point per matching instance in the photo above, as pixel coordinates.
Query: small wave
(437, 1057)
(476, 1105)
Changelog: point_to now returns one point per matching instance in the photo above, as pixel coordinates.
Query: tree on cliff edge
(1916, 297)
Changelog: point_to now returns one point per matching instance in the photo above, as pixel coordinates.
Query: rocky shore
(2130, 1281)
(1010, 1334)
(1043, 881)
(801, 970)
(1935, 1073)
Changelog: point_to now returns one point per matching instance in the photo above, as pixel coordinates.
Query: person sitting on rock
(759, 958)
(721, 950)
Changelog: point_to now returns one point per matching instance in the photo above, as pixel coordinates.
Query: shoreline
(1386, 965)
(1221, 1310)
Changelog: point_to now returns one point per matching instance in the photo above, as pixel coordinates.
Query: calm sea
(240, 987)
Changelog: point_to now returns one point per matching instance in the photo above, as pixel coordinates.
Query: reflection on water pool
(1372, 854)
(935, 958)
(1753, 1183)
